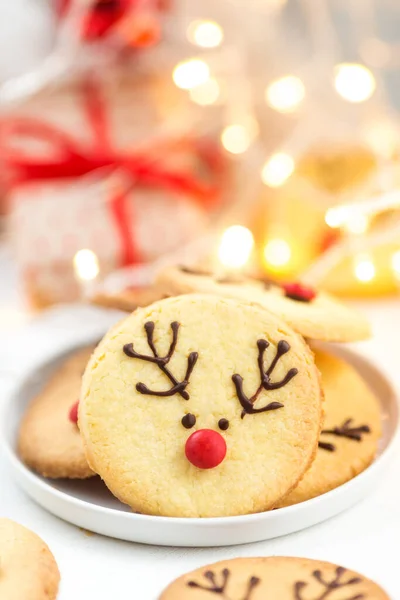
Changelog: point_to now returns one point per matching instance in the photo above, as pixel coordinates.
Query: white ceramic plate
(90, 505)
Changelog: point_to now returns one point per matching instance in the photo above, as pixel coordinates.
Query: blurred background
(253, 135)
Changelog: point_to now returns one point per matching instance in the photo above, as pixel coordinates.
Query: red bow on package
(149, 167)
(137, 21)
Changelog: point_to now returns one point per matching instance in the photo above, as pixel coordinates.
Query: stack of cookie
(352, 421)
(211, 402)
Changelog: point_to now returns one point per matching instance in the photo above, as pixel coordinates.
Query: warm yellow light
(277, 252)
(382, 137)
(353, 82)
(237, 138)
(342, 216)
(364, 269)
(236, 245)
(357, 224)
(336, 216)
(207, 34)
(277, 169)
(285, 94)
(396, 263)
(86, 265)
(190, 73)
(205, 94)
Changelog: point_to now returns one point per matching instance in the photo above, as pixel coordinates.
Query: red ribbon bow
(71, 160)
(102, 17)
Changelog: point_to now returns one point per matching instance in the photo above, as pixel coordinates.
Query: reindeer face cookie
(274, 578)
(315, 315)
(200, 406)
(350, 434)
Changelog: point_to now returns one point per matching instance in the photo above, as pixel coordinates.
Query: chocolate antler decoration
(352, 433)
(220, 588)
(178, 387)
(265, 381)
(329, 586)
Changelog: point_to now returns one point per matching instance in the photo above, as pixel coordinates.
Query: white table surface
(365, 538)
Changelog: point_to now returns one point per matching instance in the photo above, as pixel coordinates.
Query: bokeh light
(205, 94)
(206, 34)
(382, 136)
(396, 263)
(190, 73)
(337, 216)
(277, 169)
(285, 94)
(364, 269)
(237, 138)
(236, 246)
(357, 224)
(86, 265)
(277, 252)
(354, 82)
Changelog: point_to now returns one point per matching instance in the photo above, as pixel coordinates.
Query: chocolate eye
(188, 421)
(223, 424)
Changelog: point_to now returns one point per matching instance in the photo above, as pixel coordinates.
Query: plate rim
(144, 519)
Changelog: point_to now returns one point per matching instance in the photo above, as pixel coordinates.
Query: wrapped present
(137, 106)
(126, 206)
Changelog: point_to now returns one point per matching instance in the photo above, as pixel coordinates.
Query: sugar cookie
(351, 431)
(201, 406)
(273, 578)
(49, 440)
(28, 570)
(316, 315)
(129, 299)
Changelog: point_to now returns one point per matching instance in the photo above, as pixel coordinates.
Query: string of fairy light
(353, 82)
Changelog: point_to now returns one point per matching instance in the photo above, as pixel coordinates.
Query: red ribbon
(101, 16)
(70, 159)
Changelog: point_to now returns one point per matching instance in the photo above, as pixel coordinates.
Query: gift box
(102, 189)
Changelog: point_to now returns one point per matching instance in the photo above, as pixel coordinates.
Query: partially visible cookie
(350, 434)
(315, 315)
(128, 300)
(273, 578)
(49, 441)
(28, 570)
(201, 406)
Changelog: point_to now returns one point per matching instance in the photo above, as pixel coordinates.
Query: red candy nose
(205, 449)
(73, 413)
(298, 291)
